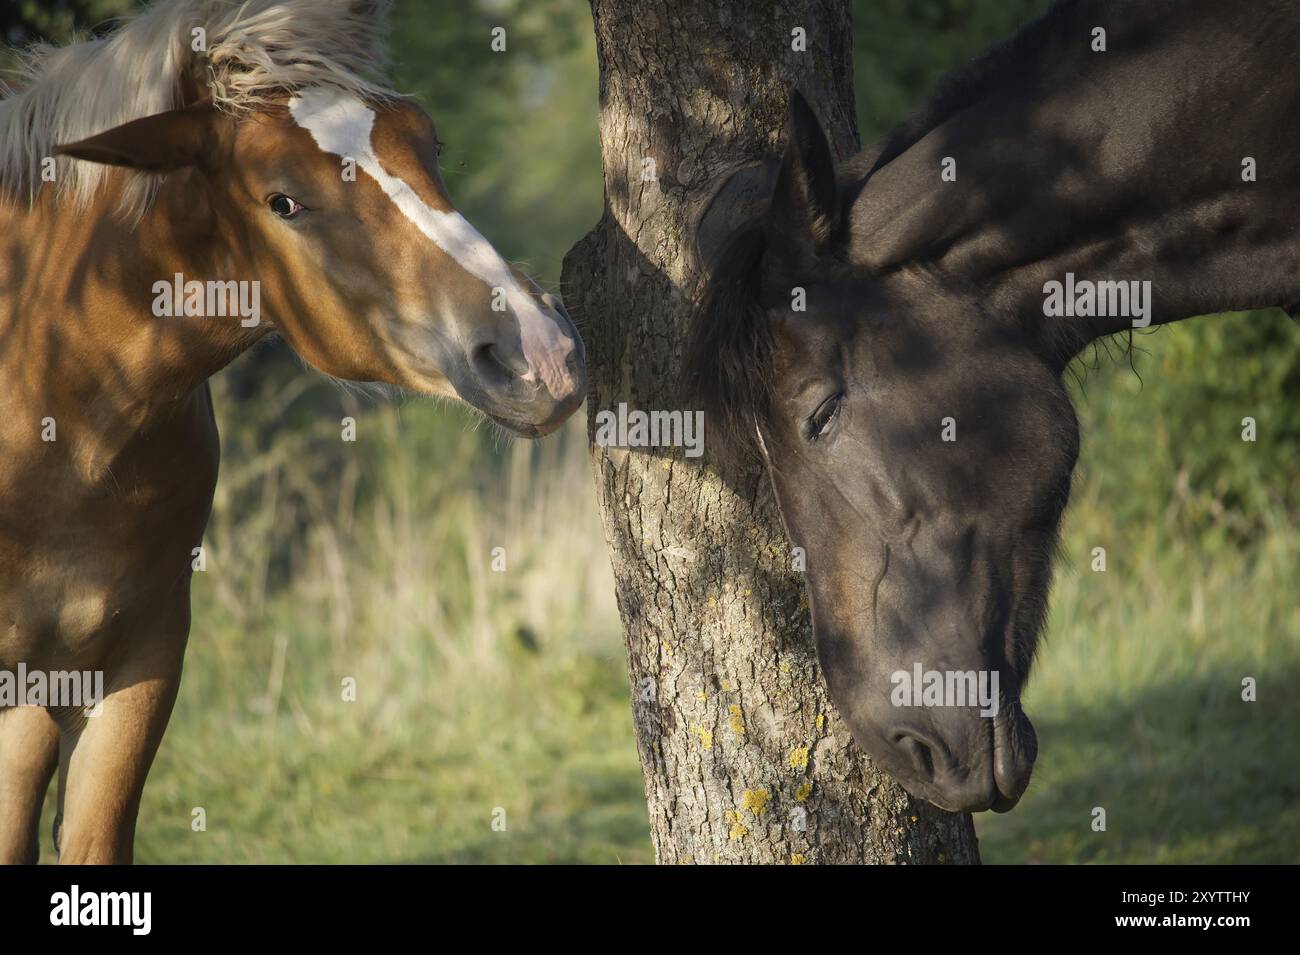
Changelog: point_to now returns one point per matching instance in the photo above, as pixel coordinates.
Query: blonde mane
(252, 51)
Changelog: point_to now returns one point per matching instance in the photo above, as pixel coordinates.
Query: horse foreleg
(29, 752)
(107, 757)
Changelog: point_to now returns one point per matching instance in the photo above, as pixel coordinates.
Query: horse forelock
(251, 52)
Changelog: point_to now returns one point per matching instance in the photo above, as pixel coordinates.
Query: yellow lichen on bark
(755, 800)
(737, 721)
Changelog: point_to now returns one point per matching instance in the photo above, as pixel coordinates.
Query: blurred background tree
(510, 689)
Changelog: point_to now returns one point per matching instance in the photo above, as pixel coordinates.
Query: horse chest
(58, 619)
(83, 563)
(65, 598)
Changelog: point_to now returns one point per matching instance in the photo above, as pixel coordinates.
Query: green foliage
(56, 20)
(25, 22)
(1163, 439)
(902, 47)
(522, 156)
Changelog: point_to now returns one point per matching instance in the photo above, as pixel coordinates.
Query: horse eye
(284, 206)
(826, 413)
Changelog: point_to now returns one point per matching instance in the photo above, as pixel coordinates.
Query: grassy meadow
(475, 688)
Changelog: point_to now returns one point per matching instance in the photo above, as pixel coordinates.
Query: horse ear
(159, 143)
(741, 201)
(805, 204)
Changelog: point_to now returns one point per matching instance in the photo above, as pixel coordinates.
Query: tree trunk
(745, 758)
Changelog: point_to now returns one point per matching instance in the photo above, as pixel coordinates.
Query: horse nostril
(492, 366)
(921, 753)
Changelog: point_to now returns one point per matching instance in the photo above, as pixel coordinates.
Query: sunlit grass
(491, 720)
(1137, 698)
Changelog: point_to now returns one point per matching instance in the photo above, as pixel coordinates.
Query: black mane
(729, 353)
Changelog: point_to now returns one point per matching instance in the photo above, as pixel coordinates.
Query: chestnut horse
(164, 209)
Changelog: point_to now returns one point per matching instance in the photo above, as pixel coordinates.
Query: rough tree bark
(745, 758)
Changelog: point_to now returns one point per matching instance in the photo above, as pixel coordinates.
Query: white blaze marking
(342, 124)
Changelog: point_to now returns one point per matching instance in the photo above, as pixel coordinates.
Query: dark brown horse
(300, 197)
(889, 338)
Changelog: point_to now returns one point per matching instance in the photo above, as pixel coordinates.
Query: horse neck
(84, 296)
(1129, 165)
